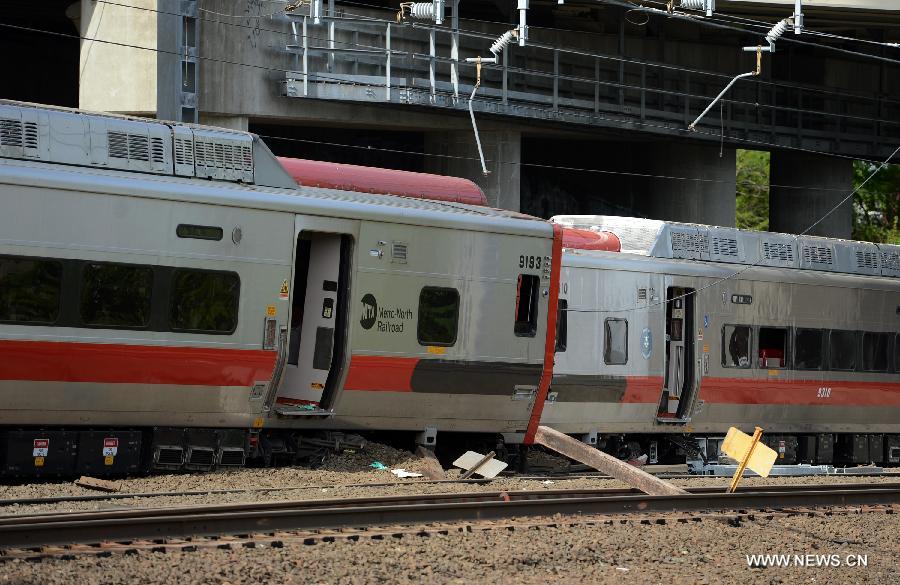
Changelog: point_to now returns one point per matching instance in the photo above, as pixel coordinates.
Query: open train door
(681, 379)
(317, 354)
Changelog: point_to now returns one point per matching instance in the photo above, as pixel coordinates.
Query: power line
(645, 124)
(712, 23)
(537, 165)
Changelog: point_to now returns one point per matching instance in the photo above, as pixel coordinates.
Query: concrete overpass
(596, 88)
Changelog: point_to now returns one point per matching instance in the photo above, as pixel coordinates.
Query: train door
(317, 333)
(680, 383)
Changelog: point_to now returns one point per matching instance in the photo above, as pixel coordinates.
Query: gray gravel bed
(693, 553)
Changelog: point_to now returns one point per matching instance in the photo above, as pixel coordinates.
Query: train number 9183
(530, 262)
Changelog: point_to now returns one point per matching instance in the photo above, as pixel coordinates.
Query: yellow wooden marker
(749, 452)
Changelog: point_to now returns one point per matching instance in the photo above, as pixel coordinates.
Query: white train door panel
(317, 346)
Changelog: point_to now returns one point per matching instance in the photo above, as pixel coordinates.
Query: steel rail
(153, 523)
(22, 502)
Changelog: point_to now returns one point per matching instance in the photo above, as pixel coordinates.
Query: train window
(774, 351)
(29, 290)
(615, 347)
(809, 349)
(116, 295)
(527, 305)
(204, 301)
(438, 316)
(875, 352)
(562, 325)
(842, 350)
(736, 346)
(897, 353)
(199, 232)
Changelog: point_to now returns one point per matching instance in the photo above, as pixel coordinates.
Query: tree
(752, 209)
(876, 206)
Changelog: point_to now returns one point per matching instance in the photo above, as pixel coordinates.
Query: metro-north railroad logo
(369, 312)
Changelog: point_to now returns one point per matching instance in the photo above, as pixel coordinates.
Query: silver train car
(688, 330)
(170, 298)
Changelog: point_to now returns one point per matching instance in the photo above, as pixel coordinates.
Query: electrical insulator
(776, 32)
(707, 5)
(433, 11)
(502, 42)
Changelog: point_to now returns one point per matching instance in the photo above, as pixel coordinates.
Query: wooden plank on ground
(98, 484)
(633, 476)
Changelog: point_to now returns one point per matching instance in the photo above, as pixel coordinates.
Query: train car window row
(116, 295)
(29, 290)
(527, 291)
(562, 325)
(813, 349)
(736, 346)
(109, 295)
(438, 316)
(615, 339)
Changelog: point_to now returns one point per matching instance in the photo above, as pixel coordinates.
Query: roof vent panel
(223, 155)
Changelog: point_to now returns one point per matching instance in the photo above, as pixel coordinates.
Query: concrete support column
(502, 153)
(823, 181)
(225, 121)
(700, 187)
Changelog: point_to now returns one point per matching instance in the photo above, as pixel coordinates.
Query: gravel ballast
(694, 553)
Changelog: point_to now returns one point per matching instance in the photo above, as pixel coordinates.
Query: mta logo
(369, 311)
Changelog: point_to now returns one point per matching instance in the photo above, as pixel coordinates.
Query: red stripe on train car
(642, 389)
(799, 392)
(380, 373)
(51, 361)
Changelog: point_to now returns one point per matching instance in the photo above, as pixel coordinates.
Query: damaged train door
(677, 399)
(318, 331)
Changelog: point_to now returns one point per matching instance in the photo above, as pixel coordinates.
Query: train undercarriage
(60, 452)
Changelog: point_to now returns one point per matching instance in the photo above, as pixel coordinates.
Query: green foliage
(876, 206)
(752, 190)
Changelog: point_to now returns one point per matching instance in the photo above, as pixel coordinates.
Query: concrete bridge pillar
(695, 183)
(823, 181)
(459, 157)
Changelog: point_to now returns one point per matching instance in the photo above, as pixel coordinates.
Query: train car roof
(727, 245)
(629, 262)
(300, 200)
(71, 149)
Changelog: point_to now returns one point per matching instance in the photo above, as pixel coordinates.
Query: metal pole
(387, 47)
(305, 60)
(431, 53)
(454, 50)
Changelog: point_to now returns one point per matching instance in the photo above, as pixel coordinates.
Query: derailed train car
(170, 298)
(691, 329)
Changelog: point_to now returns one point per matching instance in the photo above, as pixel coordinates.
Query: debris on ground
(403, 474)
(102, 485)
(431, 467)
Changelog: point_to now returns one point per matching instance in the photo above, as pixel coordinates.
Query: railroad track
(162, 524)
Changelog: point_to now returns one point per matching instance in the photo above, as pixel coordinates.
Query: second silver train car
(689, 330)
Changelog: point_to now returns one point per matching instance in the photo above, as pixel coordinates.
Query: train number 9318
(530, 262)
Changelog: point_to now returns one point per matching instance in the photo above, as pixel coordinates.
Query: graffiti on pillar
(253, 10)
